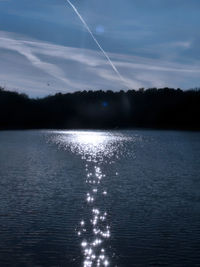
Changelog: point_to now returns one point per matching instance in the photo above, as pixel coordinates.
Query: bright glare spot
(106, 263)
(84, 244)
(97, 242)
(89, 198)
(90, 138)
(95, 211)
(87, 263)
(82, 223)
(88, 251)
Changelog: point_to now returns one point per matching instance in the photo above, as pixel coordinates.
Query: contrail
(92, 35)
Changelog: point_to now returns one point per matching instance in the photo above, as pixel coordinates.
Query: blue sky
(44, 48)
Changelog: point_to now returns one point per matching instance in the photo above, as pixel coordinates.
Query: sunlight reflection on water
(95, 148)
(92, 146)
(51, 213)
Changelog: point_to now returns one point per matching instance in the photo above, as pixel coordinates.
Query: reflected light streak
(96, 148)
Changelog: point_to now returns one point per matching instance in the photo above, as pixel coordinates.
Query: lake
(99, 198)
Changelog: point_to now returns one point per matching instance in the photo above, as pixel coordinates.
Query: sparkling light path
(97, 149)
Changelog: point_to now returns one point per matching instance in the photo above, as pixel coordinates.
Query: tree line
(164, 108)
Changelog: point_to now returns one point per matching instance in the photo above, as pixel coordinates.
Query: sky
(45, 48)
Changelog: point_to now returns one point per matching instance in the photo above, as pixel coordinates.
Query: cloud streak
(31, 64)
(97, 43)
(21, 47)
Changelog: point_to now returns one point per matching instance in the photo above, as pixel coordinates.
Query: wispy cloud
(181, 44)
(25, 50)
(33, 64)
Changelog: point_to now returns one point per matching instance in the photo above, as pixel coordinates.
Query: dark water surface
(101, 198)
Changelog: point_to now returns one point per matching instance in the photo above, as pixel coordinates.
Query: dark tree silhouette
(164, 108)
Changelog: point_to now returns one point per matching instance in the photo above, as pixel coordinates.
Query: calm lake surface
(99, 198)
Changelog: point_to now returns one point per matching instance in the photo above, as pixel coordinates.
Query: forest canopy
(164, 108)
